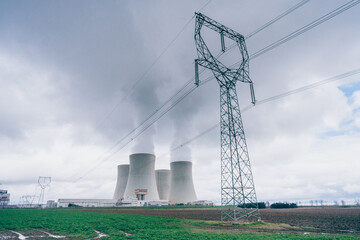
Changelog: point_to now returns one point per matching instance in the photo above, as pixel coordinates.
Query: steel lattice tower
(238, 197)
(43, 182)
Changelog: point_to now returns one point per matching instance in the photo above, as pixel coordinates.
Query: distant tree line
(283, 205)
(72, 205)
(253, 205)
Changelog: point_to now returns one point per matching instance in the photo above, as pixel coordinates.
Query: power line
(141, 78)
(204, 6)
(161, 112)
(310, 86)
(288, 11)
(306, 28)
(277, 18)
(273, 98)
(143, 129)
(298, 32)
(189, 141)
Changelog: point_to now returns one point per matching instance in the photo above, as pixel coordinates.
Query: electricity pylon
(43, 182)
(238, 197)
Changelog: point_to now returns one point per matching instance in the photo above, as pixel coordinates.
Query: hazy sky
(67, 96)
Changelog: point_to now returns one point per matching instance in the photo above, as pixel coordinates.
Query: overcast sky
(67, 96)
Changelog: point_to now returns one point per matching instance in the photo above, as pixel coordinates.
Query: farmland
(329, 220)
(89, 223)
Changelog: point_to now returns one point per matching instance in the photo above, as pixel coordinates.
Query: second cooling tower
(122, 178)
(163, 183)
(142, 182)
(181, 184)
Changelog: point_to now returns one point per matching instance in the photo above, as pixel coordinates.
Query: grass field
(82, 225)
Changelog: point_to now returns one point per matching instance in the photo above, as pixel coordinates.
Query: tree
(283, 205)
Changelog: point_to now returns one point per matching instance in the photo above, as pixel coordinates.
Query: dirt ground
(320, 220)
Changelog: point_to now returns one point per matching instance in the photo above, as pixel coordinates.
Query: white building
(87, 202)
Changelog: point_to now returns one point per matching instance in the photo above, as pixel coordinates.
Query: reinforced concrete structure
(122, 179)
(142, 182)
(181, 184)
(163, 183)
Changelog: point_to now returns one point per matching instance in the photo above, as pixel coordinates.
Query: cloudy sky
(78, 76)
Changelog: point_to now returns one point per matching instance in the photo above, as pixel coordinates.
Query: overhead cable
(148, 69)
(273, 98)
(287, 12)
(188, 91)
(306, 28)
(159, 112)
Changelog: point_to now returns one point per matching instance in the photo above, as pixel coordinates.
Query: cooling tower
(141, 182)
(122, 178)
(163, 183)
(181, 183)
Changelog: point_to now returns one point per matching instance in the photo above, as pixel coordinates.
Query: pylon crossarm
(218, 27)
(207, 60)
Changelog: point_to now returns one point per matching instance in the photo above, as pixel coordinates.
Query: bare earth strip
(321, 220)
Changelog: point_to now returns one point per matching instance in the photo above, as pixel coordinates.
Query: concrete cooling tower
(122, 179)
(163, 183)
(141, 182)
(181, 183)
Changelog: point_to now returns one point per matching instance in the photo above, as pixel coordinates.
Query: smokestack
(141, 182)
(181, 184)
(122, 179)
(163, 183)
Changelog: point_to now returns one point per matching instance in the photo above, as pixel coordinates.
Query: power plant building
(141, 183)
(181, 184)
(86, 202)
(163, 183)
(122, 179)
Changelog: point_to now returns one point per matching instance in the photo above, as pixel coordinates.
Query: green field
(81, 225)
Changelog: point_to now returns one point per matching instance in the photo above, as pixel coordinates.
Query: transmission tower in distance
(26, 201)
(43, 182)
(238, 197)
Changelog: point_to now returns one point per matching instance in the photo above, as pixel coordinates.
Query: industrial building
(182, 189)
(144, 183)
(122, 178)
(4, 198)
(86, 202)
(163, 183)
(139, 184)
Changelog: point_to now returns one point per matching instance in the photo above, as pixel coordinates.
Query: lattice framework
(238, 196)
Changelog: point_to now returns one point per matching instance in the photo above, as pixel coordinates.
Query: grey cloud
(93, 52)
(92, 45)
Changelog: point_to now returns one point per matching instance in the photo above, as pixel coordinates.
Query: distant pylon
(43, 182)
(238, 197)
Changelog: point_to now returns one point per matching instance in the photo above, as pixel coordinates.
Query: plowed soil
(321, 220)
